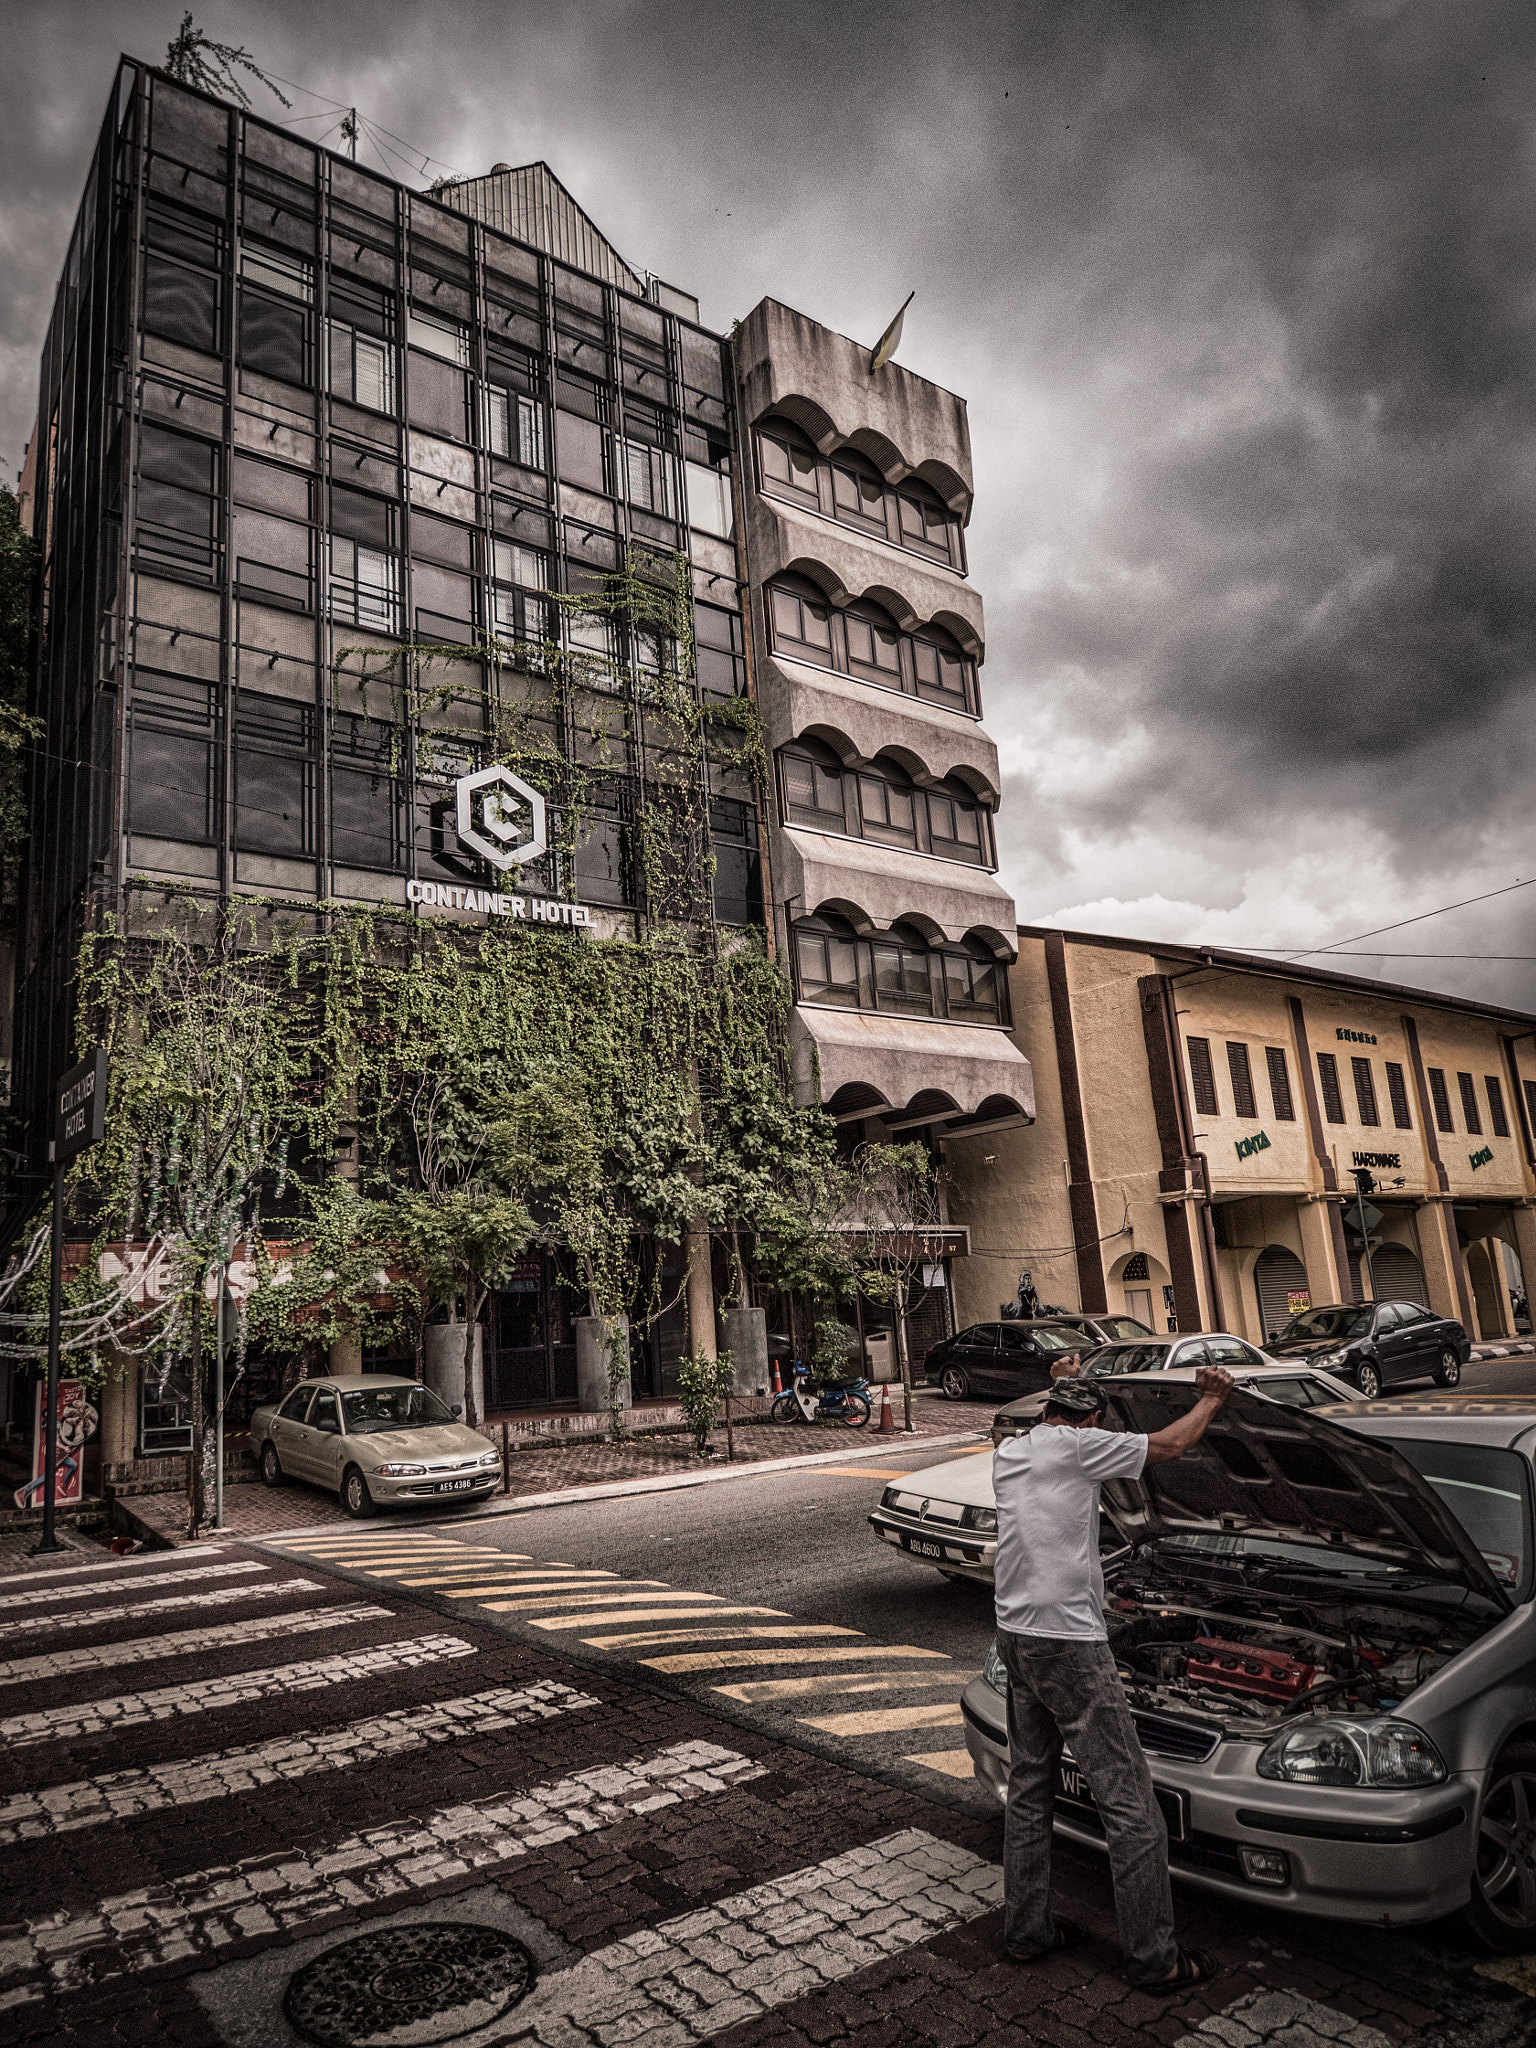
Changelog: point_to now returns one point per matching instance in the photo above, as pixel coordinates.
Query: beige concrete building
(1200, 1116)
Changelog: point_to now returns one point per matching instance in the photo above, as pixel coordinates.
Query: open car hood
(1267, 1470)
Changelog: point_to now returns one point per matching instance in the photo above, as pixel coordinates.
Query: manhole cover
(406, 1986)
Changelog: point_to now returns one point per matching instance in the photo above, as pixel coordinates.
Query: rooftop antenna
(349, 132)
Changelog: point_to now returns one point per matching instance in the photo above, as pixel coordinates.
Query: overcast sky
(1240, 297)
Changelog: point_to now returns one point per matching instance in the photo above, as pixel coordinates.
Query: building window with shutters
(1397, 1091)
(1498, 1122)
(1243, 1103)
(1328, 1075)
(1440, 1096)
(276, 293)
(1279, 1085)
(1202, 1076)
(1365, 1091)
(1530, 1103)
(1469, 1105)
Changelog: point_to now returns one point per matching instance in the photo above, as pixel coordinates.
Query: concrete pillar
(701, 1292)
(118, 1428)
(1324, 1280)
(346, 1354)
(746, 1338)
(1490, 1290)
(1524, 1220)
(600, 1340)
(1445, 1277)
(442, 1365)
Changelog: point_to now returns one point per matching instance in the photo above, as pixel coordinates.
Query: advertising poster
(77, 1422)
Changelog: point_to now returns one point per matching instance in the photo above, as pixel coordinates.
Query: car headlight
(491, 1458)
(1330, 1358)
(980, 1518)
(888, 1498)
(402, 1471)
(1388, 1754)
(995, 1671)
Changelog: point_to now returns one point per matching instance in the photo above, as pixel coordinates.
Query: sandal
(1194, 1966)
(1065, 1934)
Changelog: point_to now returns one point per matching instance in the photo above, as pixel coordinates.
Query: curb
(666, 1482)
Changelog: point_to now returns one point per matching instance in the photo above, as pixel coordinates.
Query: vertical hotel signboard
(79, 1121)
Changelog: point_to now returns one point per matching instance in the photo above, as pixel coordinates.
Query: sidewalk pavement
(551, 1472)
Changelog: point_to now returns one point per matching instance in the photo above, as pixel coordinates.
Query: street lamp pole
(1365, 1184)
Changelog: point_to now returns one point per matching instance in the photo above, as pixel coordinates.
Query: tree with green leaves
(894, 1220)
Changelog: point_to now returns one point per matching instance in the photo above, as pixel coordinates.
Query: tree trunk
(701, 1291)
(743, 1292)
(196, 1506)
(901, 1353)
(473, 1301)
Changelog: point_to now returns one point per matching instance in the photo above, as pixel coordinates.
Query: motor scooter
(808, 1400)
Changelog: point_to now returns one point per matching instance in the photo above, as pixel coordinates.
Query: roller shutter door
(1280, 1278)
(1398, 1275)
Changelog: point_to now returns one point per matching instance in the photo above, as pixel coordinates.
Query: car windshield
(1126, 1358)
(1488, 1491)
(1330, 1323)
(1123, 1327)
(379, 1408)
(1058, 1337)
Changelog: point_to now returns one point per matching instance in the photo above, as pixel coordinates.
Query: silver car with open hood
(1326, 1632)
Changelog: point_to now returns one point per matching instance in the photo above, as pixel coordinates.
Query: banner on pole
(77, 1425)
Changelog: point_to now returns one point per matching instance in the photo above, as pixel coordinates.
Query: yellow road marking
(842, 1682)
(857, 1472)
(693, 1611)
(446, 1575)
(705, 1635)
(954, 1763)
(606, 1597)
(723, 1660)
(884, 1720)
(555, 1589)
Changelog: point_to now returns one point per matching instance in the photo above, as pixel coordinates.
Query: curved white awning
(910, 1070)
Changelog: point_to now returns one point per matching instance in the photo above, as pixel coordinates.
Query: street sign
(80, 1108)
(1362, 1212)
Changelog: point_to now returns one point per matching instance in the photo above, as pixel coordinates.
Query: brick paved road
(197, 1818)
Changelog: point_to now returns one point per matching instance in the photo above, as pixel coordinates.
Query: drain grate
(408, 1987)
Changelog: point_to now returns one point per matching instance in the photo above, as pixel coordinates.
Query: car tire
(954, 1382)
(1501, 1913)
(272, 1473)
(1368, 1380)
(355, 1497)
(1448, 1372)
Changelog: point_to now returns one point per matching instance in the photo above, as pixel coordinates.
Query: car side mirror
(457, 1409)
(330, 1425)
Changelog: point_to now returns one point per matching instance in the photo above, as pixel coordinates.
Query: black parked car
(1003, 1360)
(1376, 1343)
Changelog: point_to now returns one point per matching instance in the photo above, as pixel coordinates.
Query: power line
(1315, 952)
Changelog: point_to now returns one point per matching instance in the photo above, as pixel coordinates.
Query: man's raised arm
(1215, 1391)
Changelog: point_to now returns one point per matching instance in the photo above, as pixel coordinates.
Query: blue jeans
(1069, 1692)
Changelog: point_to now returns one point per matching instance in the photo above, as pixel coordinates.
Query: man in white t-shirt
(1063, 1684)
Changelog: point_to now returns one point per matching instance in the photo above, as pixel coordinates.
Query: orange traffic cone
(887, 1419)
(778, 1384)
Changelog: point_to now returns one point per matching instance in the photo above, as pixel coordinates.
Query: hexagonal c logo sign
(500, 817)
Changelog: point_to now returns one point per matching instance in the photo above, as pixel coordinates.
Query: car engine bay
(1250, 1659)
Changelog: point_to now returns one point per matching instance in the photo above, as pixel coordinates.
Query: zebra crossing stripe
(843, 1682)
(106, 1564)
(93, 1617)
(887, 1720)
(203, 1695)
(554, 1590)
(201, 1912)
(954, 1763)
(608, 1597)
(725, 1660)
(647, 1638)
(126, 1795)
(39, 1596)
(459, 1575)
(150, 1649)
(701, 1973)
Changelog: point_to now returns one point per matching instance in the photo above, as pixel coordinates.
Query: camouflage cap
(1075, 1396)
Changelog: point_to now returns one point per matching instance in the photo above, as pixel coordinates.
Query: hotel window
(368, 778)
(925, 525)
(519, 610)
(874, 645)
(720, 652)
(973, 984)
(272, 548)
(789, 464)
(710, 508)
(514, 427)
(274, 775)
(1498, 1123)
(942, 672)
(1397, 1092)
(898, 972)
(1365, 1091)
(177, 522)
(276, 293)
(885, 808)
(173, 784)
(903, 983)
(858, 495)
(183, 278)
(1243, 1100)
(738, 879)
(364, 568)
(956, 830)
(1441, 1099)
(1279, 1084)
(1328, 1075)
(802, 620)
(445, 339)
(827, 959)
(361, 329)
(847, 487)
(813, 787)
(1469, 1105)
(1202, 1076)
(647, 476)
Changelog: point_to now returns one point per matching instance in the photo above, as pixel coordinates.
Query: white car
(375, 1440)
(947, 1516)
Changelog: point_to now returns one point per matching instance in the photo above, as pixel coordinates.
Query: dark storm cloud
(1240, 297)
